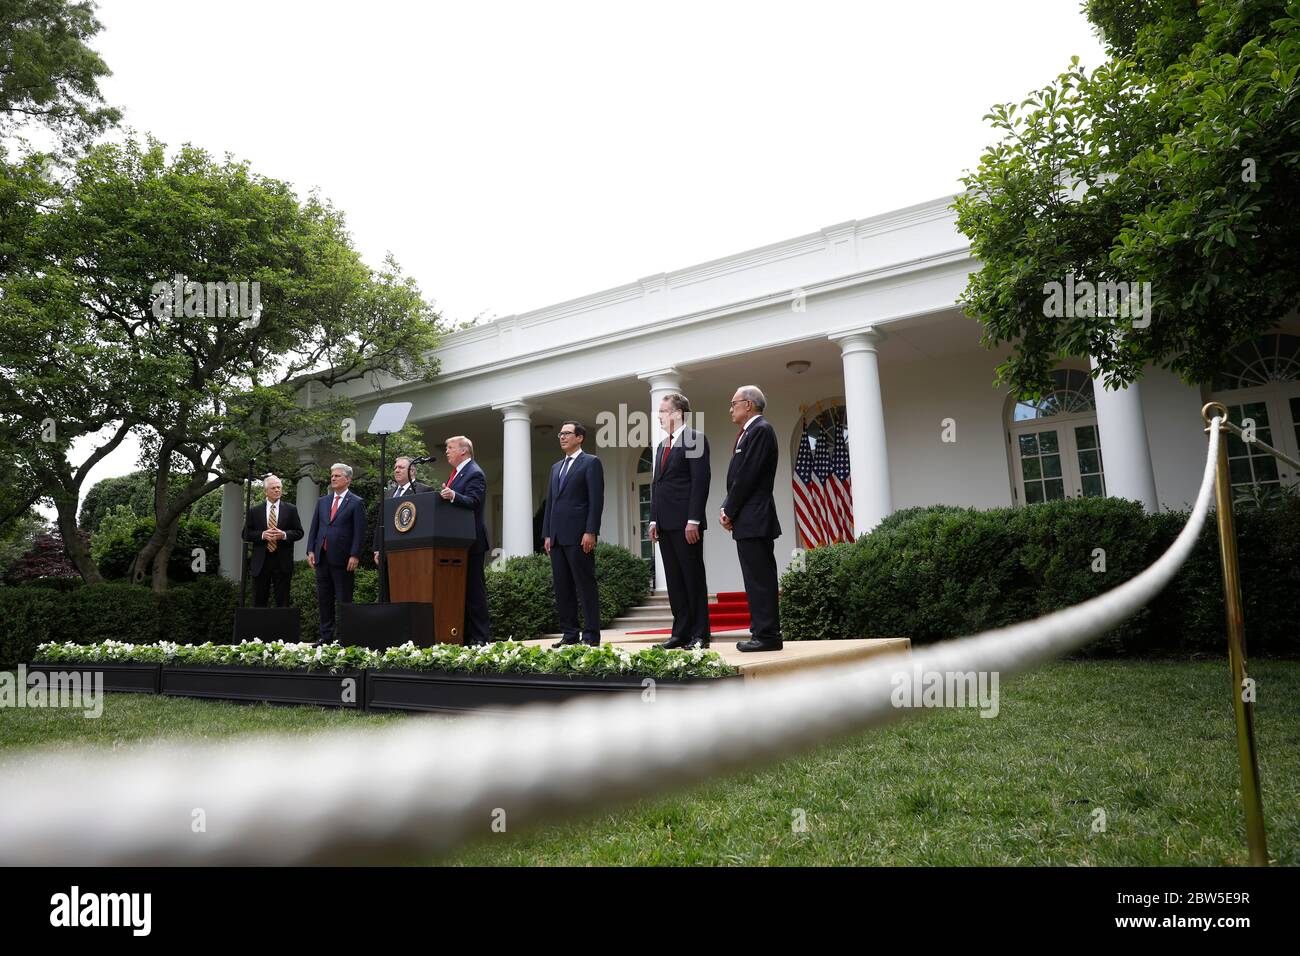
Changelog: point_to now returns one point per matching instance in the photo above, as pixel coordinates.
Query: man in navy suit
(570, 526)
(749, 513)
(338, 533)
(679, 494)
(272, 528)
(467, 488)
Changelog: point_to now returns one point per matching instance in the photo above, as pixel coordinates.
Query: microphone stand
(383, 532)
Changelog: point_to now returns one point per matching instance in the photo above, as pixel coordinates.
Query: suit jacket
(416, 488)
(574, 510)
(750, 476)
(346, 534)
(471, 492)
(679, 491)
(287, 520)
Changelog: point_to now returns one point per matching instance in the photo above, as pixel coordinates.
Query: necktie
(270, 523)
(564, 472)
(334, 508)
(452, 479)
(739, 435)
(668, 446)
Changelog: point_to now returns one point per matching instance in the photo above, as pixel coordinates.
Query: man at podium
(466, 487)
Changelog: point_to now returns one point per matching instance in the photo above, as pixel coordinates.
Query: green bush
(521, 598)
(26, 616)
(121, 539)
(936, 573)
(203, 610)
(113, 610)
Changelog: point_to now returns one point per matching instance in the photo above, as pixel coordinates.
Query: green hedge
(116, 554)
(521, 599)
(188, 613)
(935, 573)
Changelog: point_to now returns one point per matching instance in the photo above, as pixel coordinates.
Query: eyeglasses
(565, 434)
(737, 401)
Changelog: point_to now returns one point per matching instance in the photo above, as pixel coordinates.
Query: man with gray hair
(338, 533)
(272, 528)
(749, 513)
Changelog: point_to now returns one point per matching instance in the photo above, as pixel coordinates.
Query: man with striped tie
(272, 528)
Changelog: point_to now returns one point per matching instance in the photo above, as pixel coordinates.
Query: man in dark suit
(338, 533)
(679, 494)
(570, 526)
(749, 513)
(467, 488)
(272, 527)
(404, 484)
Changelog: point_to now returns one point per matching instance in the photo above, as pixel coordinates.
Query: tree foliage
(1174, 163)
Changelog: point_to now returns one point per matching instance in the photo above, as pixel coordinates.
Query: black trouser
(272, 575)
(333, 581)
(758, 568)
(688, 589)
(478, 624)
(573, 572)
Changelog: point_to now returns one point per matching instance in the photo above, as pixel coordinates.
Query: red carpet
(729, 613)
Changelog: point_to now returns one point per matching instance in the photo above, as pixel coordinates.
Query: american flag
(841, 484)
(826, 504)
(801, 480)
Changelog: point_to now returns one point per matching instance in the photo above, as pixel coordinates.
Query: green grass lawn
(1149, 743)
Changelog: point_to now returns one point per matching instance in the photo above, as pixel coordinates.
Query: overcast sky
(514, 155)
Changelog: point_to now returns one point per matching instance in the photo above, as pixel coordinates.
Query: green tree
(141, 263)
(49, 76)
(1173, 163)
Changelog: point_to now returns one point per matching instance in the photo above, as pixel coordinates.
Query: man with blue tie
(467, 488)
(338, 533)
(570, 526)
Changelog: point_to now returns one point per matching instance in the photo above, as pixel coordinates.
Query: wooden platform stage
(795, 656)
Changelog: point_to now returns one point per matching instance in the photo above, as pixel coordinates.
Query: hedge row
(520, 599)
(935, 573)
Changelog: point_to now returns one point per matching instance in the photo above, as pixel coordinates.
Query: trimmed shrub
(26, 615)
(936, 573)
(203, 610)
(110, 611)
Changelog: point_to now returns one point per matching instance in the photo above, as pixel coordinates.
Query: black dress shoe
(591, 641)
(675, 643)
(760, 644)
(698, 642)
(566, 642)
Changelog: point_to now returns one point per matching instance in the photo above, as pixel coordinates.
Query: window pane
(1030, 468)
(1055, 489)
(1266, 469)
(1089, 463)
(1033, 492)
(1051, 466)
(1028, 445)
(1047, 441)
(1092, 486)
(1239, 471)
(1085, 436)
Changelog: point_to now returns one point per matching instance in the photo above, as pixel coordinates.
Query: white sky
(513, 155)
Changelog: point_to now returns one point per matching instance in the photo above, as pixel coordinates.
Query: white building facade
(860, 317)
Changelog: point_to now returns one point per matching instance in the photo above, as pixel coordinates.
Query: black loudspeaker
(268, 623)
(379, 626)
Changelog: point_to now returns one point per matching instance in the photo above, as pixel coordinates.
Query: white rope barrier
(405, 793)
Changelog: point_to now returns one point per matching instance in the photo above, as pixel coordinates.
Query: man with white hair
(338, 533)
(466, 487)
(749, 513)
(272, 528)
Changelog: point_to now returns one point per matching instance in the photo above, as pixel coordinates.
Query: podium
(427, 541)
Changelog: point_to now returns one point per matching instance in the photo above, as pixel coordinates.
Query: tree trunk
(72, 544)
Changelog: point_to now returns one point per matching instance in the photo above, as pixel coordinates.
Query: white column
(232, 526)
(516, 479)
(662, 382)
(306, 494)
(868, 455)
(1125, 453)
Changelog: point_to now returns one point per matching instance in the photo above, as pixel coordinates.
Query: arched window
(1260, 385)
(1054, 443)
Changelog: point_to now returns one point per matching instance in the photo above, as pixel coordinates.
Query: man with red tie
(679, 494)
(338, 533)
(467, 488)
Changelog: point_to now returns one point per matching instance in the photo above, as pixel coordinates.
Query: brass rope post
(1244, 710)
